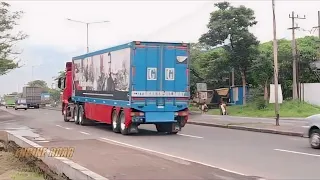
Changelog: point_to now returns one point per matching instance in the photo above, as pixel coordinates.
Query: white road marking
(43, 141)
(190, 136)
(63, 127)
(295, 152)
(165, 154)
(84, 133)
(8, 122)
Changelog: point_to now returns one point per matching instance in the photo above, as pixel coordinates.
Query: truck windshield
(22, 101)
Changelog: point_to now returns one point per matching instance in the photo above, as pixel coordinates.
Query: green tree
(54, 95)
(307, 53)
(60, 74)
(7, 39)
(39, 83)
(262, 68)
(233, 23)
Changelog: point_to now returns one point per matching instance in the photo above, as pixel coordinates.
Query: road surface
(248, 153)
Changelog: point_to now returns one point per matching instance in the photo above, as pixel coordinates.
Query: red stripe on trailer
(103, 113)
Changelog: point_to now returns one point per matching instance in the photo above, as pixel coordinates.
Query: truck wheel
(123, 128)
(15, 109)
(82, 116)
(65, 116)
(315, 139)
(76, 114)
(115, 122)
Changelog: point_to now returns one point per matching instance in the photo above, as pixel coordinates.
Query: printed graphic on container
(103, 75)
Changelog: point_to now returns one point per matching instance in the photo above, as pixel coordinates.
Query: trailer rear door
(160, 76)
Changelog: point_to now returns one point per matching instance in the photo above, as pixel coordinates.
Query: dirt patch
(12, 168)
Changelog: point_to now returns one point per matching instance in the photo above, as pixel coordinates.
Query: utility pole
(275, 61)
(294, 55)
(87, 25)
(232, 77)
(318, 28)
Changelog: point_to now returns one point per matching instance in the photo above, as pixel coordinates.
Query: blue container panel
(154, 117)
(150, 64)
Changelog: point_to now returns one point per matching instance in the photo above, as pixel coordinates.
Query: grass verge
(287, 109)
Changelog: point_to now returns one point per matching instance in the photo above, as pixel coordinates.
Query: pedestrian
(204, 108)
(223, 107)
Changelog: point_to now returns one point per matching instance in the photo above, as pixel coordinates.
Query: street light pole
(275, 61)
(87, 37)
(87, 25)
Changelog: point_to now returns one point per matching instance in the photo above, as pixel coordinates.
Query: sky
(53, 40)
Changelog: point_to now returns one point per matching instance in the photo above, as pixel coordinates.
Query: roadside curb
(237, 127)
(60, 165)
(244, 117)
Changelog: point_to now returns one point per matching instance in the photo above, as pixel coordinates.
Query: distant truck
(128, 85)
(45, 99)
(32, 96)
(10, 100)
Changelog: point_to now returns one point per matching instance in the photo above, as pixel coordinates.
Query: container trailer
(128, 85)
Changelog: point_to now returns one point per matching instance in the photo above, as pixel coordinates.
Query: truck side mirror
(59, 83)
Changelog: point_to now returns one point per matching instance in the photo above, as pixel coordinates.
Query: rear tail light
(182, 113)
(137, 114)
(138, 42)
(184, 44)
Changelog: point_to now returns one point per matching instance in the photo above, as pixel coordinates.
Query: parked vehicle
(312, 131)
(128, 85)
(32, 96)
(21, 103)
(9, 100)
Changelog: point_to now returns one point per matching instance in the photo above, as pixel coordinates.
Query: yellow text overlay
(43, 151)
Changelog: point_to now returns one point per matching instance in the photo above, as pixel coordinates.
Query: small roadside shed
(236, 95)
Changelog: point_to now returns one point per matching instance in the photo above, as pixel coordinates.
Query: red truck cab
(65, 83)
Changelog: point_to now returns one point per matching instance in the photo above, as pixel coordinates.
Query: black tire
(15, 109)
(65, 116)
(115, 122)
(314, 139)
(76, 114)
(25, 109)
(124, 130)
(82, 117)
(6, 107)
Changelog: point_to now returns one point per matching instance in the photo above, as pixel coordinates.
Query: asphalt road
(250, 153)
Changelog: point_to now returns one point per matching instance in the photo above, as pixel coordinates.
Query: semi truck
(32, 95)
(129, 85)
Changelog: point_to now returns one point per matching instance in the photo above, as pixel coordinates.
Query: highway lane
(257, 154)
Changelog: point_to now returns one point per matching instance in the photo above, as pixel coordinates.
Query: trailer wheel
(82, 116)
(76, 114)
(115, 122)
(123, 128)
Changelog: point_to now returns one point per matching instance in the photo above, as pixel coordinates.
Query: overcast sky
(54, 40)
